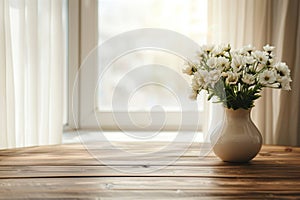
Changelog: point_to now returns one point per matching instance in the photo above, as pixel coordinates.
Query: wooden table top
(71, 171)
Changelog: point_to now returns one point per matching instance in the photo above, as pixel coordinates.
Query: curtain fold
(288, 126)
(31, 77)
(259, 22)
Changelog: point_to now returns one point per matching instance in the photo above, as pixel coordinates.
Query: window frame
(83, 37)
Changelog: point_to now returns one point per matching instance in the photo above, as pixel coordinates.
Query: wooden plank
(132, 145)
(183, 161)
(154, 194)
(153, 183)
(70, 171)
(171, 171)
(136, 187)
(70, 154)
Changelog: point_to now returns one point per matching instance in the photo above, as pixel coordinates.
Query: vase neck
(239, 113)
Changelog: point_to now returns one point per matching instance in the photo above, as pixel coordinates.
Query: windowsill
(119, 136)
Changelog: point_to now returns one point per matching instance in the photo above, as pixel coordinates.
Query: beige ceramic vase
(236, 139)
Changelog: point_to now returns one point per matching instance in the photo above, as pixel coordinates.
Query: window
(144, 102)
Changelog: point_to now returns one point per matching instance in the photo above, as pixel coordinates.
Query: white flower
(244, 70)
(188, 70)
(271, 55)
(221, 49)
(247, 49)
(268, 48)
(211, 62)
(195, 84)
(282, 69)
(207, 48)
(238, 63)
(283, 75)
(248, 79)
(249, 60)
(232, 78)
(225, 47)
(218, 62)
(224, 74)
(251, 67)
(217, 51)
(285, 83)
(214, 76)
(222, 62)
(201, 79)
(267, 77)
(193, 95)
(260, 56)
(201, 54)
(234, 52)
(271, 62)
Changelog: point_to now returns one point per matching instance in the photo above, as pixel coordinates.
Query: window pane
(117, 16)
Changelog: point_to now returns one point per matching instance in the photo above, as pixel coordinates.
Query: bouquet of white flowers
(236, 77)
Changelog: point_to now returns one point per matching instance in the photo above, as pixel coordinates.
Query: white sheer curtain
(32, 57)
(287, 34)
(258, 22)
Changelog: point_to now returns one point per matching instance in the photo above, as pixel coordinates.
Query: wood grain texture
(74, 172)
